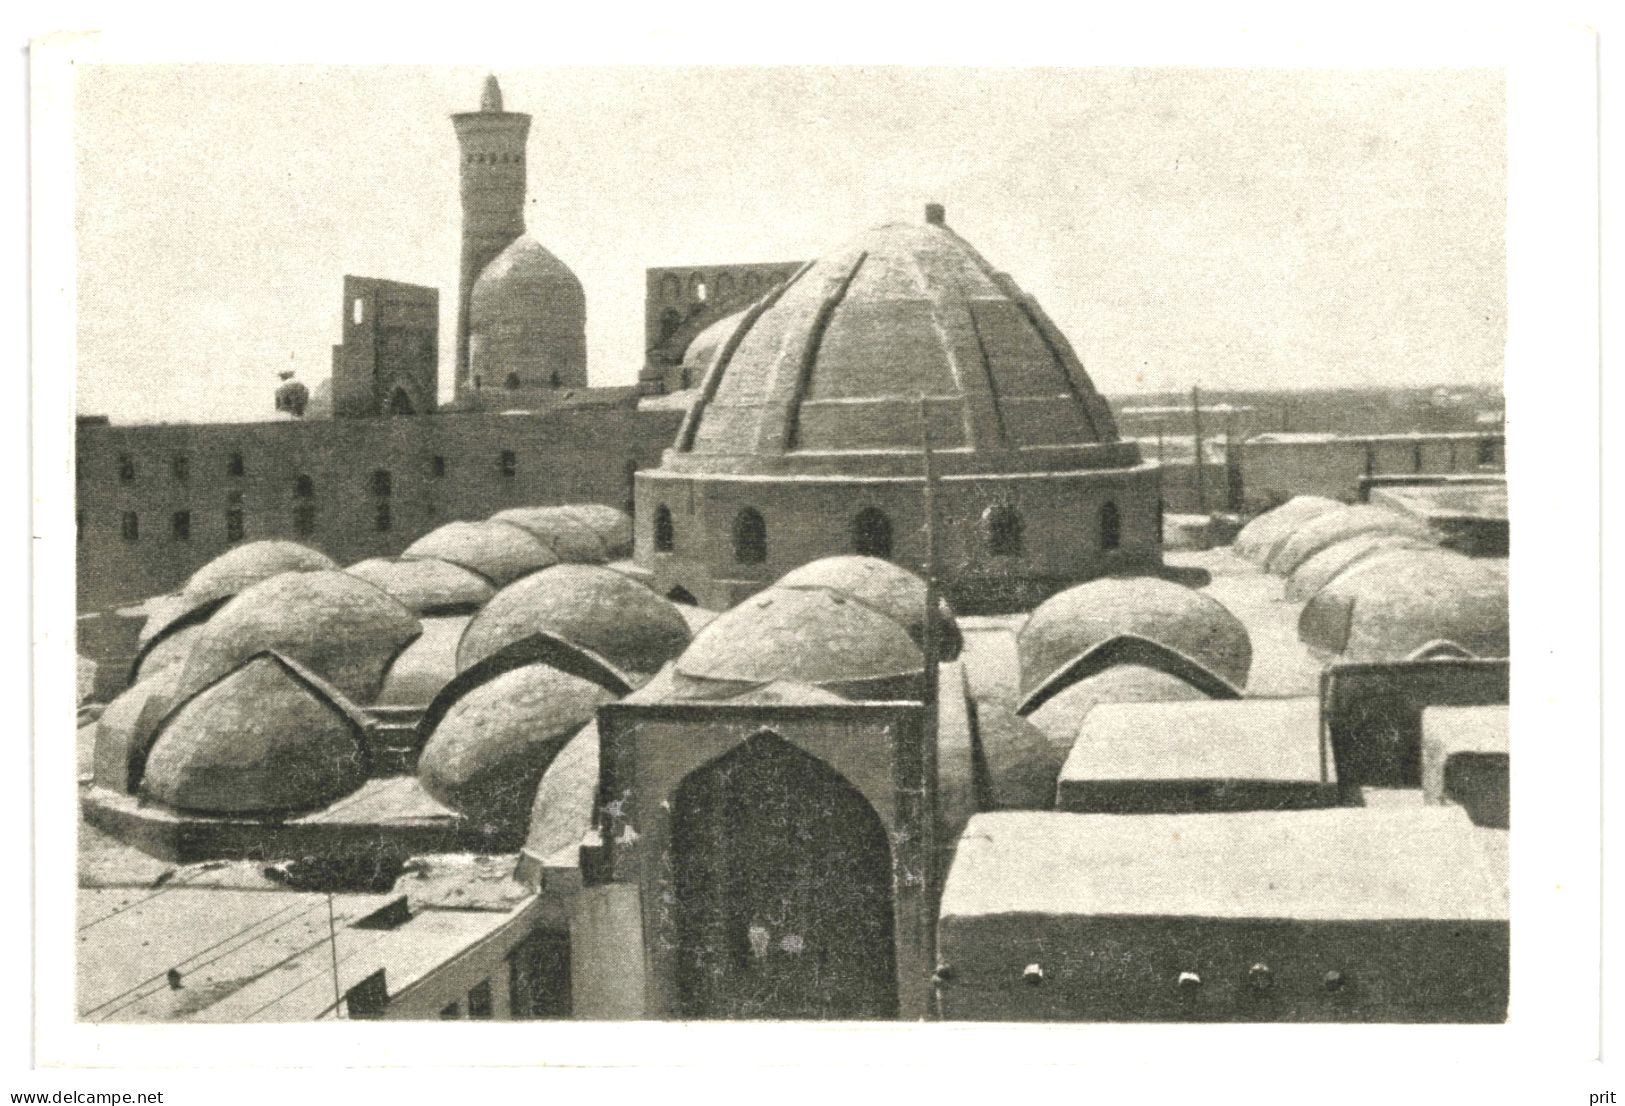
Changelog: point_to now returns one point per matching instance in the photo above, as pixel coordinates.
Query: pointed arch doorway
(782, 874)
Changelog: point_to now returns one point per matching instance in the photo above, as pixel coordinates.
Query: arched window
(670, 320)
(671, 288)
(400, 403)
(750, 537)
(696, 288)
(725, 286)
(553, 379)
(382, 484)
(871, 533)
(304, 488)
(665, 535)
(1111, 526)
(1004, 531)
(512, 382)
(234, 465)
(357, 312)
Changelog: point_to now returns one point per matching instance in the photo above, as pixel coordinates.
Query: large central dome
(835, 363)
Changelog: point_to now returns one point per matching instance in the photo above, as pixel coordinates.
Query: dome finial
(491, 98)
(936, 214)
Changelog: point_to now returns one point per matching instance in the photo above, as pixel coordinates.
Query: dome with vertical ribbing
(826, 373)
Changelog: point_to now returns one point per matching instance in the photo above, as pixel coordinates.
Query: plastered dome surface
(270, 737)
(706, 344)
(498, 551)
(168, 651)
(892, 590)
(528, 318)
(1180, 618)
(809, 636)
(1260, 536)
(589, 606)
(1326, 530)
(564, 532)
(340, 627)
(122, 741)
(247, 565)
(1062, 716)
(426, 587)
(1393, 604)
(1331, 562)
(489, 752)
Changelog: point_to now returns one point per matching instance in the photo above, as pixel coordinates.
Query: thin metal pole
(333, 947)
(1196, 426)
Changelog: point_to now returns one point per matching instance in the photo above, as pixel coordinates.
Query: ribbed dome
(836, 360)
(342, 628)
(1392, 604)
(248, 564)
(488, 753)
(500, 552)
(1334, 560)
(565, 533)
(888, 588)
(527, 318)
(426, 666)
(589, 606)
(1328, 529)
(426, 586)
(267, 738)
(703, 349)
(1258, 539)
(1180, 618)
(804, 635)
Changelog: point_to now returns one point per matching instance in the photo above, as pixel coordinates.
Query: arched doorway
(782, 874)
(871, 533)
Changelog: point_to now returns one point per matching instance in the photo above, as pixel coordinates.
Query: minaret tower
(492, 142)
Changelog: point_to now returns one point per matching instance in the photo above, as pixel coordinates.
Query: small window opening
(871, 533)
(665, 534)
(509, 464)
(130, 526)
(234, 465)
(1111, 526)
(1004, 531)
(750, 537)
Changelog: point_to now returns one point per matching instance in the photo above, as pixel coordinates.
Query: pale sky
(1236, 228)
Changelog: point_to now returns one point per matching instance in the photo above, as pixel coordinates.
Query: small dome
(888, 588)
(124, 733)
(427, 586)
(527, 318)
(589, 606)
(268, 738)
(562, 813)
(1325, 566)
(342, 628)
(496, 550)
(804, 635)
(246, 565)
(1061, 717)
(1260, 536)
(612, 525)
(1022, 766)
(1169, 614)
(571, 540)
(489, 752)
(1328, 529)
(170, 650)
(1393, 604)
(425, 666)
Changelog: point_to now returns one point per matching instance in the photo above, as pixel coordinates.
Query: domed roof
(488, 753)
(590, 606)
(164, 613)
(892, 590)
(170, 650)
(1332, 527)
(340, 627)
(806, 635)
(826, 372)
(1061, 716)
(498, 551)
(561, 814)
(248, 564)
(1179, 618)
(1325, 566)
(1022, 764)
(268, 737)
(427, 585)
(1259, 537)
(425, 666)
(561, 530)
(122, 741)
(1392, 604)
(612, 525)
(707, 342)
(518, 276)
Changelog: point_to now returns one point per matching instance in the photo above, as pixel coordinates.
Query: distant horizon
(1240, 230)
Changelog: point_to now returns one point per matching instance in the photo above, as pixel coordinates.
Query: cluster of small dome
(251, 686)
(1376, 585)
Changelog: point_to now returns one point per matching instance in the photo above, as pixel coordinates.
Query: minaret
(492, 142)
